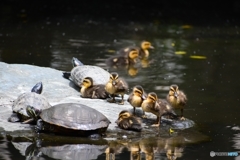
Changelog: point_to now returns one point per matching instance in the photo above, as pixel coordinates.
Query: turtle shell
(38, 101)
(69, 117)
(99, 75)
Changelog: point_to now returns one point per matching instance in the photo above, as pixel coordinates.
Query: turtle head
(33, 112)
(76, 62)
(37, 88)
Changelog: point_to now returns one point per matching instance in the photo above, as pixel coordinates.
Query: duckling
(159, 107)
(136, 97)
(177, 98)
(116, 86)
(128, 121)
(129, 58)
(143, 49)
(88, 90)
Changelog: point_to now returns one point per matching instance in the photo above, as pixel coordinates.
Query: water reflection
(149, 148)
(61, 147)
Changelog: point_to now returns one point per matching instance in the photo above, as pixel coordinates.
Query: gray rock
(19, 78)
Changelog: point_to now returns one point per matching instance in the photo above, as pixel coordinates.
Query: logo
(230, 154)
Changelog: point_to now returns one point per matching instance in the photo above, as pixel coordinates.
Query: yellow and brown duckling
(116, 86)
(143, 49)
(137, 97)
(128, 121)
(158, 107)
(177, 99)
(89, 90)
(129, 58)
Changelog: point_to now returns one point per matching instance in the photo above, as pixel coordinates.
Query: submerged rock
(16, 79)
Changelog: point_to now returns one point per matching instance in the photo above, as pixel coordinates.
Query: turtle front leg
(28, 121)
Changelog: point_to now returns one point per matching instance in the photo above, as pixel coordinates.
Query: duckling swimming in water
(143, 49)
(88, 90)
(177, 98)
(136, 97)
(158, 107)
(116, 86)
(129, 58)
(128, 121)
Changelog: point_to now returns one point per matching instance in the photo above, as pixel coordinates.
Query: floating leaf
(180, 52)
(186, 26)
(198, 57)
(171, 130)
(111, 51)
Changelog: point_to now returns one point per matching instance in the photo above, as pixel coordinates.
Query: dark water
(210, 79)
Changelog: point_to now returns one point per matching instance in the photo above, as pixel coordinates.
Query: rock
(19, 78)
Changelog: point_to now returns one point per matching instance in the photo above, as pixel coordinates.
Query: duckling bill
(88, 90)
(177, 99)
(116, 86)
(158, 107)
(137, 97)
(128, 121)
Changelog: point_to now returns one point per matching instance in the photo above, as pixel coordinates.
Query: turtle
(33, 98)
(70, 119)
(80, 71)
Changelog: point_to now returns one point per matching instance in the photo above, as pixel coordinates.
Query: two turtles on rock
(65, 118)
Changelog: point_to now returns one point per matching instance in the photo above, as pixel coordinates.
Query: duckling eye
(85, 81)
(138, 92)
(147, 44)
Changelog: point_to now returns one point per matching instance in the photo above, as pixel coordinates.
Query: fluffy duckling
(177, 98)
(88, 90)
(128, 121)
(158, 107)
(136, 97)
(143, 49)
(129, 58)
(116, 86)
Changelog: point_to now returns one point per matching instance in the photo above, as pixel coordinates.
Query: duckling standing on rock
(116, 86)
(129, 58)
(159, 107)
(88, 90)
(128, 121)
(177, 98)
(136, 97)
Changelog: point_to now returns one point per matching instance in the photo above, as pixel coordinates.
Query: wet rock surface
(16, 79)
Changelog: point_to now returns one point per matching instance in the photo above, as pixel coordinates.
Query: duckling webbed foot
(182, 118)
(155, 125)
(112, 100)
(121, 103)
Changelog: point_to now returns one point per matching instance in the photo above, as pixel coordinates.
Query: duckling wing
(183, 98)
(99, 92)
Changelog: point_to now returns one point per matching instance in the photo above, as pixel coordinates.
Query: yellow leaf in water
(180, 52)
(198, 57)
(171, 130)
(173, 44)
(111, 51)
(186, 26)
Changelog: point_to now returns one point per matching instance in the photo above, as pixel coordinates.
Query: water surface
(202, 60)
